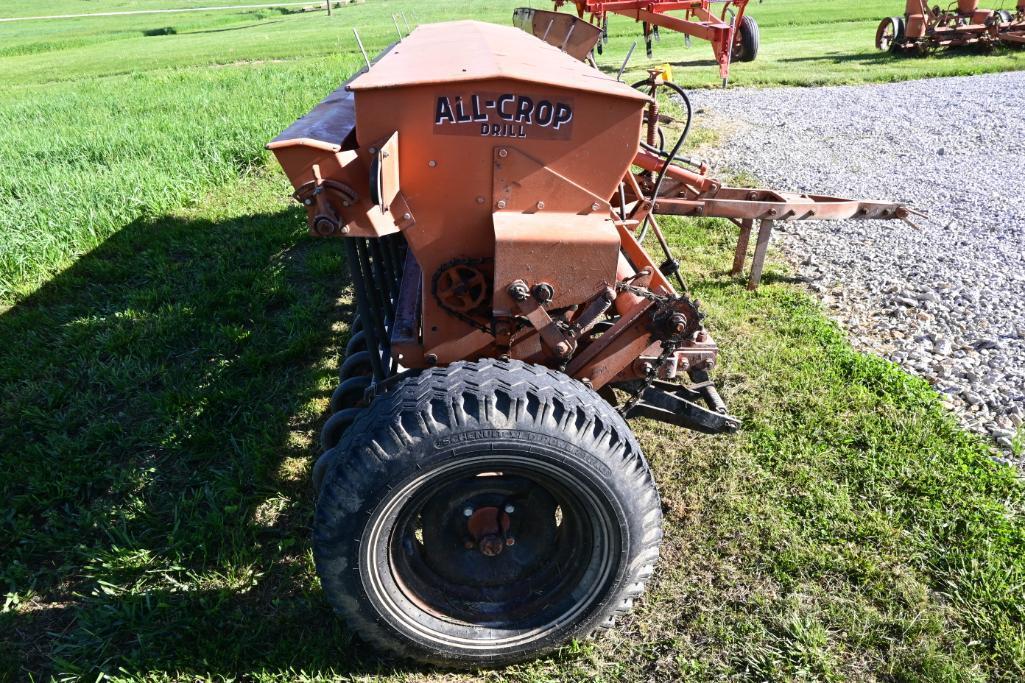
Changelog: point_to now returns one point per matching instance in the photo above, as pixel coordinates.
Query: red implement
(723, 23)
(923, 29)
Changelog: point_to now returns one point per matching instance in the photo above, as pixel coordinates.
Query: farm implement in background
(733, 34)
(923, 29)
(481, 497)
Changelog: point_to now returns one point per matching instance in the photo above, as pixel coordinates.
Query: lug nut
(510, 508)
(468, 512)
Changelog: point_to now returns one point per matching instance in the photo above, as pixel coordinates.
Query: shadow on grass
(726, 280)
(873, 58)
(159, 406)
(834, 58)
(260, 24)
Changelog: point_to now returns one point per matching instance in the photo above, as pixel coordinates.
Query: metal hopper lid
(460, 51)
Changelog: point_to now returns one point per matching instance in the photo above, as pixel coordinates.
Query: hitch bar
(677, 405)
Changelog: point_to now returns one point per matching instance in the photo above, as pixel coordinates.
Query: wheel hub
(489, 529)
(491, 547)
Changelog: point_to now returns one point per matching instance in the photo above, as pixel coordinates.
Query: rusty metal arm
(696, 195)
(699, 195)
(705, 30)
(746, 204)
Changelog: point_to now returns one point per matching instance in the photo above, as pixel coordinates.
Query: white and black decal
(504, 115)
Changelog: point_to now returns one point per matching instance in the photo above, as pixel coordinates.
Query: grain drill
(481, 497)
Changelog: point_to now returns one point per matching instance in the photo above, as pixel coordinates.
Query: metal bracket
(676, 405)
(551, 334)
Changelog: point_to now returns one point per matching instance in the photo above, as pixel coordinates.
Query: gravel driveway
(947, 300)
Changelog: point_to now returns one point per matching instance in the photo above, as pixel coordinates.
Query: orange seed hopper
(480, 495)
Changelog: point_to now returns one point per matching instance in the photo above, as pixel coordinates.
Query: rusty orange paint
(499, 157)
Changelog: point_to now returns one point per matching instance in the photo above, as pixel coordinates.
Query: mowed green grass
(170, 340)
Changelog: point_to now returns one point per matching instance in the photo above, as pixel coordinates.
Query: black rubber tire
(333, 430)
(745, 49)
(357, 342)
(894, 25)
(349, 393)
(319, 467)
(459, 418)
(356, 365)
(645, 87)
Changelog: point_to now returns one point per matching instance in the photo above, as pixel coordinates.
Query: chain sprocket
(463, 304)
(676, 319)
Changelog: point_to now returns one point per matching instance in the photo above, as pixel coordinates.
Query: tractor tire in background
(890, 34)
(484, 512)
(748, 40)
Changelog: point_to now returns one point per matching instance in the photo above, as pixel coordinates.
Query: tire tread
(492, 392)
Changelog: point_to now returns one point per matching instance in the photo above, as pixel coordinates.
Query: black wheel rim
(886, 35)
(738, 47)
(434, 577)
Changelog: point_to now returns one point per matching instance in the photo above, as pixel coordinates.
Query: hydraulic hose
(662, 176)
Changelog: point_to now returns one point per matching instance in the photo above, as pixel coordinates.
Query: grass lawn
(170, 341)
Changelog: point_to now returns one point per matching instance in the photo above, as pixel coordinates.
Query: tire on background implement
(890, 34)
(748, 41)
(445, 440)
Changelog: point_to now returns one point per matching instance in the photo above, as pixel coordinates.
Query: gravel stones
(945, 300)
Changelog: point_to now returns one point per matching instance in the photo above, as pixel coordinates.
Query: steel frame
(696, 195)
(698, 21)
